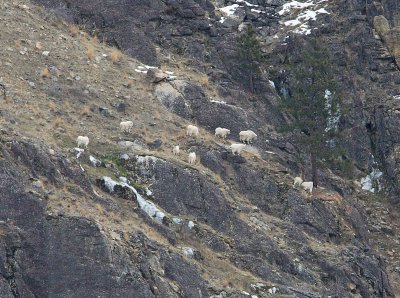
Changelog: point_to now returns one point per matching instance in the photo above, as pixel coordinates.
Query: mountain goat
(175, 151)
(247, 136)
(191, 129)
(237, 148)
(308, 186)
(82, 141)
(222, 132)
(192, 158)
(297, 181)
(126, 126)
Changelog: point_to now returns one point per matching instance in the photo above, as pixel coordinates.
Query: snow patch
(218, 101)
(191, 224)
(230, 9)
(148, 192)
(247, 3)
(94, 161)
(287, 7)
(149, 207)
(301, 22)
(272, 84)
(79, 151)
(177, 220)
(367, 182)
(272, 290)
(123, 179)
(188, 251)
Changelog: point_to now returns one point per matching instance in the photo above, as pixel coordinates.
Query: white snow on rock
(191, 224)
(272, 290)
(230, 9)
(272, 84)
(188, 251)
(148, 192)
(149, 207)
(309, 10)
(94, 161)
(367, 182)
(287, 7)
(176, 220)
(123, 179)
(247, 3)
(78, 151)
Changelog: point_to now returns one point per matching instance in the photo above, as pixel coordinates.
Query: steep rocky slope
(228, 226)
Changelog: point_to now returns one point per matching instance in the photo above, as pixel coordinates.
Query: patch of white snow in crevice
(191, 224)
(287, 7)
(309, 13)
(143, 68)
(149, 207)
(218, 101)
(176, 220)
(247, 3)
(94, 161)
(78, 151)
(230, 9)
(368, 182)
(187, 251)
(272, 84)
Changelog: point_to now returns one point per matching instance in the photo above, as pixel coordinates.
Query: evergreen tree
(250, 54)
(313, 103)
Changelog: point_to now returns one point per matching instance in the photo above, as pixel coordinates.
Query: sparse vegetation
(90, 52)
(85, 111)
(45, 73)
(58, 122)
(115, 55)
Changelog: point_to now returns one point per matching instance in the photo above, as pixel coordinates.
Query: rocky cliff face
(228, 226)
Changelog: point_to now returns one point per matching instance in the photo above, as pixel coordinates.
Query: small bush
(90, 52)
(45, 73)
(116, 55)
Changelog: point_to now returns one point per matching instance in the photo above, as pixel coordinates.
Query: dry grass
(129, 84)
(45, 73)
(203, 80)
(58, 122)
(85, 111)
(73, 30)
(66, 106)
(90, 52)
(52, 106)
(94, 39)
(115, 55)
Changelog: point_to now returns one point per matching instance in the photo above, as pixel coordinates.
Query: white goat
(237, 148)
(297, 181)
(175, 151)
(126, 126)
(82, 141)
(192, 158)
(222, 132)
(308, 186)
(191, 129)
(247, 136)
